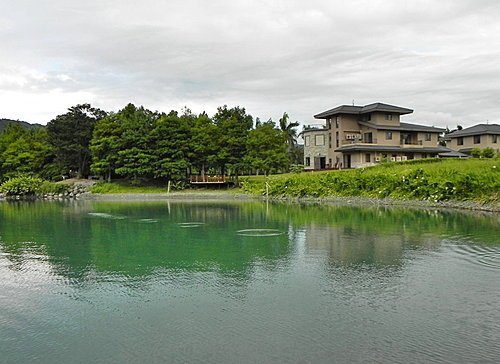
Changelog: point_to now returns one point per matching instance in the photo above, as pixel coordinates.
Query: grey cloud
(438, 58)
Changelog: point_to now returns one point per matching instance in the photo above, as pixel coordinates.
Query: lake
(246, 282)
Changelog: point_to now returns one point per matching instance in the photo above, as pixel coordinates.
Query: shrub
(51, 187)
(488, 153)
(475, 152)
(22, 186)
(296, 168)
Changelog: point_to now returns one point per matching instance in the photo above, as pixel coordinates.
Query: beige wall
(379, 119)
(486, 142)
(429, 143)
(382, 138)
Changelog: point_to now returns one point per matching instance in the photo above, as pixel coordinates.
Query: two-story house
(477, 136)
(360, 136)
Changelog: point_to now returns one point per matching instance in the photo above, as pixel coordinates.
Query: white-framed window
(388, 116)
(307, 140)
(388, 135)
(308, 161)
(319, 140)
(428, 137)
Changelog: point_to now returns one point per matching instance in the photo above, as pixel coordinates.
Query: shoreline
(229, 195)
(346, 201)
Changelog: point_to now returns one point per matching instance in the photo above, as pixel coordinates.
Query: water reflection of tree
(77, 244)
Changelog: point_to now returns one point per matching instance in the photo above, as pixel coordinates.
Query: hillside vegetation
(431, 179)
(5, 122)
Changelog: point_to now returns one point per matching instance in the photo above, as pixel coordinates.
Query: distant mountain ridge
(25, 124)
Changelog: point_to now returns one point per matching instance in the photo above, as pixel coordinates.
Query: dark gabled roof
(403, 127)
(343, 109)
(358, 110)
(378, 106)
(478, 129)
(389, 148)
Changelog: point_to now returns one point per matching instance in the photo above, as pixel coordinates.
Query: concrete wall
(313, 150)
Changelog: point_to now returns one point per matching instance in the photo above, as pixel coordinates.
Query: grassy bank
(125, 187)
(432, 179)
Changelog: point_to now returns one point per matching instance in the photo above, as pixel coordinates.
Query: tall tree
(70, 135)
(105, 145)
(290, 133)
(203, 143)
(233, 126)
(267, 149)
(136, 155)
(170, 144)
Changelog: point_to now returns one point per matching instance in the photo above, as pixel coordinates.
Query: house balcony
(410, 143)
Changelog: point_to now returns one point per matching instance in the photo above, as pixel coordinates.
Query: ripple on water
(104, 215)
(259, 232)
(481, 256)
(192, 224)
(147, 221)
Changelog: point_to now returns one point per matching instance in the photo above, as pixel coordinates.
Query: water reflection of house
(359, 136)
(346, 246)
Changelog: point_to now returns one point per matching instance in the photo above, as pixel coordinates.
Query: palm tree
(289, 130)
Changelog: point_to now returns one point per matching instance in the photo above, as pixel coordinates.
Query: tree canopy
(143, 145)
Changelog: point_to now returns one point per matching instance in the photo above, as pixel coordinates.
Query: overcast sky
(440, 58)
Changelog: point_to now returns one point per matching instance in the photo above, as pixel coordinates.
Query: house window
(477, 139)
(367, 158)
(494, 139)
(337, 121)
(329, 140)
(319, 140)
(368, 138)
(428, 137)
(460, 141)
(308, 161)
(388, 135)
(306, 141)
(388, 116)
(337, 139)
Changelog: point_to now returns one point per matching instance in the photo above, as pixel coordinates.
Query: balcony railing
(411, 142)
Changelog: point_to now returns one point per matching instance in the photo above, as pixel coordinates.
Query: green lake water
(229, 282)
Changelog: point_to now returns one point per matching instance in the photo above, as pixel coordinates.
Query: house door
(322, 162)
(319, 162)
(347, 161)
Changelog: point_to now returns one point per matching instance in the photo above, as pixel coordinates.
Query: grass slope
(431, 179)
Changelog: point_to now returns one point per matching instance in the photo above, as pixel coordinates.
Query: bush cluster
(26, 185)
(21, 186)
